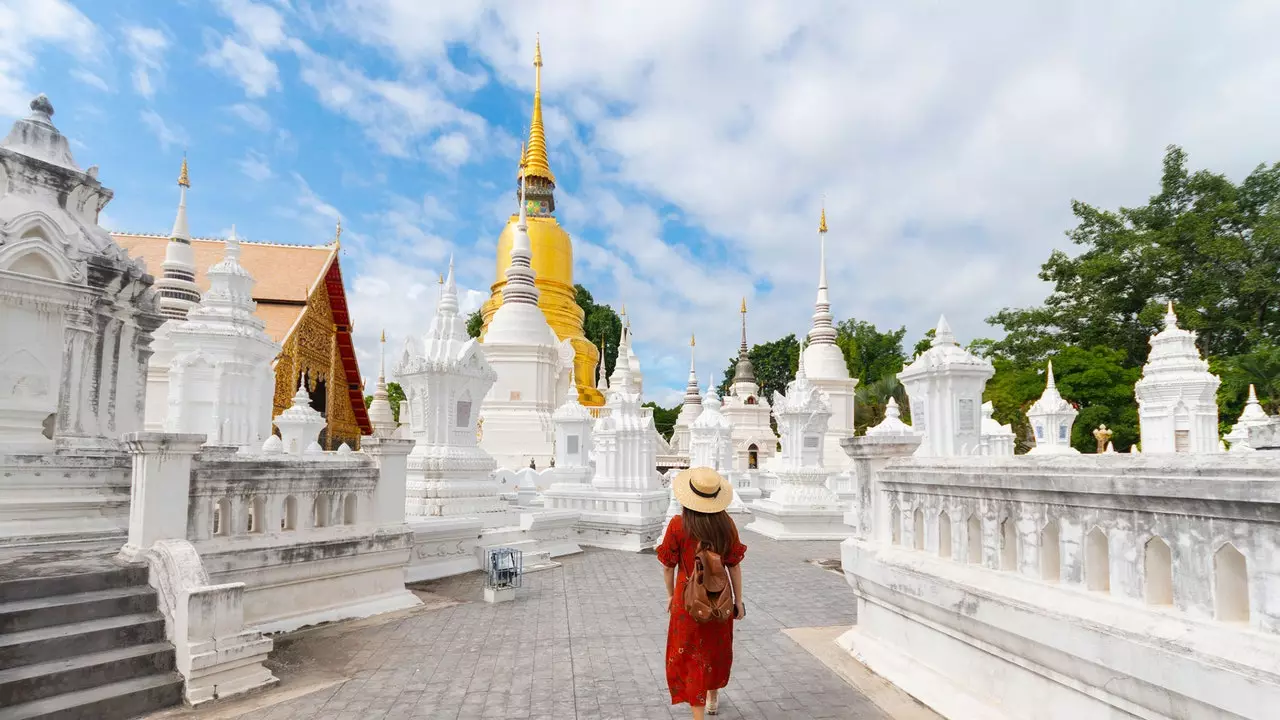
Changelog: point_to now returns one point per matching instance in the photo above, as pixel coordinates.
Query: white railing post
(392, 458)
(160, 489)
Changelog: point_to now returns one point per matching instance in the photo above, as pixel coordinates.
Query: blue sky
(693, 142)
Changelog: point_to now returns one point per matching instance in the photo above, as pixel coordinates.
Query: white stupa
(945, 385)
(1051, 419)
(1177, 395)
(753, 439)
(381, 415)
(528, 358)
(826, 367)
(1253, 416)
(690, 409)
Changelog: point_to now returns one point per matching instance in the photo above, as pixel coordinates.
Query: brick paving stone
(585, 641)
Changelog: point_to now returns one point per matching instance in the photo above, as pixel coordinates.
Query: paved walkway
(583, 641)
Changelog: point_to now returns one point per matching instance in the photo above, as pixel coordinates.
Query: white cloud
(394, 114)
(255, 167)
(25, 27)
(261, 29)
(168, 135)
(147, 47)
(948, 140)
(248, 64)
(452, 149)
(89, 79)
(252, 115)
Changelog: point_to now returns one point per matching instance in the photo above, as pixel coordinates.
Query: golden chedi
(552, 253)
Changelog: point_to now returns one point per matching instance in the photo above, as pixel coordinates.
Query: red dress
(698, 654)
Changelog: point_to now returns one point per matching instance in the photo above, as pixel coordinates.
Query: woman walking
(699, 654)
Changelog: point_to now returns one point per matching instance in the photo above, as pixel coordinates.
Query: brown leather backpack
(708, 595)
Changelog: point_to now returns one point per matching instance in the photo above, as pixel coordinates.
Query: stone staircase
(84, 645)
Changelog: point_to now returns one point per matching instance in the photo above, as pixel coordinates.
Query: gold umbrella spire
(182, 176)
(535, 155)
(822, 223)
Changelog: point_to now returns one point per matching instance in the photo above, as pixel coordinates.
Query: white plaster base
(791, 523)
(613, 519)
(974, 643)
(342, 575)
(63, 497)
(443, 547)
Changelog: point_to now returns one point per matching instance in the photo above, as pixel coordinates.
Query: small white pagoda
(219, 381)
(1051, 419)
(381, 415)
(826, 367)
(1253, 416)
(754, 441)
(803, 507)
(945, 386)
(444, 383)
(998, 439)
(1177, 395)
(690, 409)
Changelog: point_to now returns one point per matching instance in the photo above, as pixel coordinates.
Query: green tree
(871, 398)
(395, 395)
(775, 365)
(664, 419)
(1210, 246)
(924, 343)
(599, 323)
(1259, 367)
(869, 353)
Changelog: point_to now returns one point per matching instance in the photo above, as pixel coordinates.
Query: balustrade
(1194, 534)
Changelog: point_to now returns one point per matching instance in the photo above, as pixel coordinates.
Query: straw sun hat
(702, 489)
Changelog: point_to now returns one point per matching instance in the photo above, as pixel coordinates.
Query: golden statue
(1103, 436)
(552, 253)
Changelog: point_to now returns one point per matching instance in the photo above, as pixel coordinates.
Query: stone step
(538, 560)
(30, 588)
(41, 680)
(36, 613)
(90, 636)
(123, 699)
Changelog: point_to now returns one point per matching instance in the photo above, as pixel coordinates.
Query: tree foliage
(599, 323)
(664, 419)
(395, 395)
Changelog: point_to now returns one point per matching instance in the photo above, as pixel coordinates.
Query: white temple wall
(1074, 587)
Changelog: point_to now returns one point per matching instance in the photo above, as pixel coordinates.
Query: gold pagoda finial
(534, 158)
(384, 335)
(822, 223)
(182, 176)
(337, 233)
(693, 340)
(744, 306)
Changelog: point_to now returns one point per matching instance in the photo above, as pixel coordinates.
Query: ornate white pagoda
(529, 361)
(1051, 419)
(444, 383)
(1253, 416)
(945, 386)
(998, 439)
(76, 320)
(826, 367)
(1177, 395)
(753, 439)
(803, 507)
(690, 409)
(381, 415)
(219, 380)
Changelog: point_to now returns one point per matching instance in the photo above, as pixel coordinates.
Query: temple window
(1050, 552)
(1230, 585)
(257, 515)
(1097, 561)
(349, 509)
(1008, 544)
(944, 534)
(222, 517)
(975, 539)
(289, 513)
(753, 457)
(321, 511)
(1157, 572)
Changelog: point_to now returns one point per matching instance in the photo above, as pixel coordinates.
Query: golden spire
(744, 306)
(337, 233)
(822, 223)
(535, 157)
(182, 177)
(384, 335)
(693, 340)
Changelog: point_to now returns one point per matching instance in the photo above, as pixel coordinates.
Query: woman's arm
(735, 576)
(669, 576)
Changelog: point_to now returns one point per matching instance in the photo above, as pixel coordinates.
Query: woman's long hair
(715, 530)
